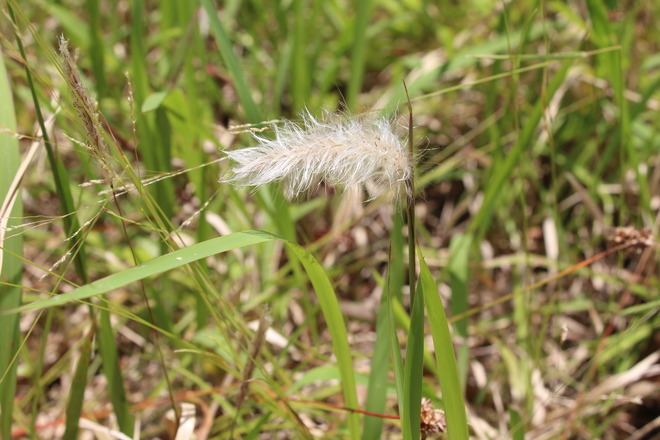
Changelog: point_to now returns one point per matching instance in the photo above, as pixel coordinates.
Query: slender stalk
(410, 203)
(413, 368)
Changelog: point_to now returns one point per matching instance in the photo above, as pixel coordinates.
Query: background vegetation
(536, 125)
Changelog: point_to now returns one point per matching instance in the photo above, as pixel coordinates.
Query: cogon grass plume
(337, 150)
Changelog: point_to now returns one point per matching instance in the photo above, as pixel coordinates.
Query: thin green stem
(410, 203)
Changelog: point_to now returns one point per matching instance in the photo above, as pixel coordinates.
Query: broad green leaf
(335, 322)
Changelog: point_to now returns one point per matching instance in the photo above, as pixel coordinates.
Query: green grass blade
(516, 425)
(397, 267)
(604, 35)
(11, 268)
(285, 61)
(40, 392)
(110, 356)
(457, 428)
(397, 359)
(413, 371)
(156, 266)
(377, 391)
(494, 188)
(96, 49)
(402, 320)
(358, 52)
(600, 28)
(60, 175)
(139, 79)
(78, 385)
(459, 271)
(154, 131)
(300, 81)
(335, 321)
(252, 112)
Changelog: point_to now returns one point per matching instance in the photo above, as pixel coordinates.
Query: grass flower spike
(341, 152)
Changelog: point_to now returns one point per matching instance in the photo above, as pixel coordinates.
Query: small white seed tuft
(339, 151)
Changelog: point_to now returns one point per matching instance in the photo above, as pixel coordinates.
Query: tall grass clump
(347, 153)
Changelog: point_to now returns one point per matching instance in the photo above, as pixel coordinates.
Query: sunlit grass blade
(516, 425)
(11, 266)
(413, 371)
(335, 322)
(378, 377)
(156, 266)
(386, 336)
(395, 350)
(459, 270)
(452, 395)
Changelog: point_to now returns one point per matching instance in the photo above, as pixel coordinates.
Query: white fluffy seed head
(340, 151)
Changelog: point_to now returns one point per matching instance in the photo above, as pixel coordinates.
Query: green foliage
(537, 130)
(11, 270)
(452, 392)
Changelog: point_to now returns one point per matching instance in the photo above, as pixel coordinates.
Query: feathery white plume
(341, 152)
